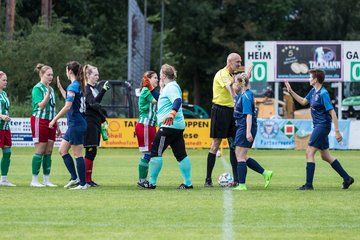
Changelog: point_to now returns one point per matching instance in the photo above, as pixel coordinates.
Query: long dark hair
(76, 68)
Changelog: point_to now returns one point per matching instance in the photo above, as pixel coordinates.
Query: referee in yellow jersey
(222, 120)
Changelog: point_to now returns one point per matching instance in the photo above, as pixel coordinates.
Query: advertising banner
(21, 132)
(293, 133)
(121, 133)
(262, 55)
(352, 61)
(294, 59)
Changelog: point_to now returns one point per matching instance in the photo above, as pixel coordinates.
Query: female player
(171, 121)
(43, 105)
(94, 118)
(145, 128)
(74, 136)
(5, 134)
(322, 113)
(246, 124)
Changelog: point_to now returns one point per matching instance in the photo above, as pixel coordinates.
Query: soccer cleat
(305, 187)
(267, 176)
(241, 187)
(347, 184)
(6, 184)
(36, 184)
(145, 184)
(208, 183)
(49, 184)
(92, 184)
(72, 183)
(183, 186)
(79, 187)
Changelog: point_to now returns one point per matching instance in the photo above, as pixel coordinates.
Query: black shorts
(169, 136)
(92, 136)
(222, 122)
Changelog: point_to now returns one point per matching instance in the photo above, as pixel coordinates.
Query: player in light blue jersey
(171, 121)
(74, 137)
(322, 113)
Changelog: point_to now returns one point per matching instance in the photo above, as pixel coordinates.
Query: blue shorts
(240, 138)
(320, 138)
(75, 135)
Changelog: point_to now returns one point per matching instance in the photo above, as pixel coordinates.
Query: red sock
(88, 166)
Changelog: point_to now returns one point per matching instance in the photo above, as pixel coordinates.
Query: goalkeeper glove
(106, 86)
(146, 83)
(169, 120)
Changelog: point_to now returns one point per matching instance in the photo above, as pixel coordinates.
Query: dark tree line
(198, 35)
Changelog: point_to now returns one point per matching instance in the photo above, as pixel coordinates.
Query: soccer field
(119, 210)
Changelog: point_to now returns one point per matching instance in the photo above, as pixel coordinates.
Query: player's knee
(180, 157)
(90, 153)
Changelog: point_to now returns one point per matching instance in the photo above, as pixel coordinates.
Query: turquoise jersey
(168, 95)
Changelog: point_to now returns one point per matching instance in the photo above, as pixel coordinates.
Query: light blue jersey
(167, 97)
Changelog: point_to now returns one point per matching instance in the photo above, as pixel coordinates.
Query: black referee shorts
(222, 122)
(169, 136)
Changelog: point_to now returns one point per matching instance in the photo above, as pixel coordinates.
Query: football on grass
(225, 180)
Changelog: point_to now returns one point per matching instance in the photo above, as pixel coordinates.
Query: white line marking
(227, 227)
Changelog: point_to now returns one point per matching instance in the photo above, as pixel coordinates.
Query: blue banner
(294, 133)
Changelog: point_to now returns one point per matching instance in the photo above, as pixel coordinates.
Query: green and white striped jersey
(5, 107)
(38, 94)
(147, 110)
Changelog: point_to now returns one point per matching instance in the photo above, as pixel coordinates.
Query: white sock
(35, 179)
(46, 178)
(4, 178)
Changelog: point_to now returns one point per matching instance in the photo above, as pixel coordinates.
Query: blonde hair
(87, 70)
(41, 69)
(242, 77)
(169, 71)
(2, 74)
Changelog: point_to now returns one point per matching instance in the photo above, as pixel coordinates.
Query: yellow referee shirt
(221, 95)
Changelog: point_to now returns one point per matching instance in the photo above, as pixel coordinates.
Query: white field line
(227, 227)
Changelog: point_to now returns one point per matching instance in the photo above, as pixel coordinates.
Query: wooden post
(10, 18)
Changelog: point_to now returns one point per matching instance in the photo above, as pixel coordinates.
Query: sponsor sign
(262, 55)
(294, 59)
(352, 61)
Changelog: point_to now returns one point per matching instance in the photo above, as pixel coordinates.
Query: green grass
(119, 210)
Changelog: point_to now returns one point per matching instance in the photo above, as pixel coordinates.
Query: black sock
(254, 165)
(310, 170)
(339, 169)
(210, 164)
(242, 171)
(233, 162)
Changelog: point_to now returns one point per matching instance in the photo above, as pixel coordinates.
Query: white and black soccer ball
(225, 180)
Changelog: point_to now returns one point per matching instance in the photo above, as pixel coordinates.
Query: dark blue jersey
(244, 106)
(76, 114)
(320, 106)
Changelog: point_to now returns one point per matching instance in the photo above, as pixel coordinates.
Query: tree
(10, 18)
(46, 6)
(48, 46)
